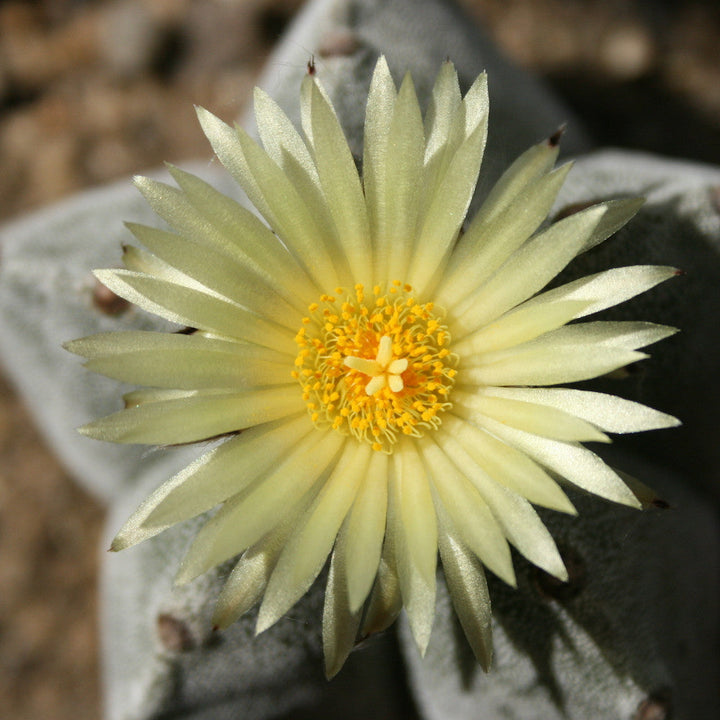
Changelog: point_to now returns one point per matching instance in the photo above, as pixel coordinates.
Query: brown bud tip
(679, 273)
(311, 65)
(554, 139)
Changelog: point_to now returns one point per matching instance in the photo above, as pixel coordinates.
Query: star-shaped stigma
(383, 371)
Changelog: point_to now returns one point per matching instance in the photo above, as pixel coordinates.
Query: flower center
(376, 366)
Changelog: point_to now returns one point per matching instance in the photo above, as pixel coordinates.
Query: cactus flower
(381, 372)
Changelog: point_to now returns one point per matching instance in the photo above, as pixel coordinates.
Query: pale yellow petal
(518, 326)
(531, 417)
(468, 589)
(403, 167)
(413, 515)
(218, 272)
(609, 412)
(526, 272)
(247, 240)
(340, 623)
(608, 288)
(444, 106)
(378, 117)
(469, 513)
(570, 461)
(194, 308)
(274, 196)
(551, 365)
(255, 511)
(225, 470)
(365, 532)
(310, 543)
(247, 582)
(341, 186)
(503, 224)
(508, 466)
(619, 212)
(203, 415)
(190, 362)
(444, 213)
(385, 602)
(519, 522)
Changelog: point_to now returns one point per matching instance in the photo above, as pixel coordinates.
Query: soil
(91, 91)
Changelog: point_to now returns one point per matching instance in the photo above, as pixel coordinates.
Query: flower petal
(469, 513)
(217, 271)
(519, 522)
(446, 208)
(609, 412)
(441, 115)
(403, 175)
(280, 138)
(365, 532)
(310, 543)
(378, 118)
(385, 601)
(246, 584)
(416, 540)
(551, 365)
(468, 589)
(571, 461)
(246, 239)
(618, 213)
(272, 193)
(508, 466)
(608, 288)
(530, 417)
(224, 471)
(518, 326)
(203, 415)
(527, 271)
(192, 307)
(342, 189)
(340, 623)
(513, 210)
(189, 362)
(255, 511)
(531, 165)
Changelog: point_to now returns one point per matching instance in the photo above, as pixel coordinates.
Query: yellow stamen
(375, 374)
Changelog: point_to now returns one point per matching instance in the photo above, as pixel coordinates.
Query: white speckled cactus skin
(637, 629)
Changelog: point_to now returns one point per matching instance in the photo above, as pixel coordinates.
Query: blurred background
(95, 90)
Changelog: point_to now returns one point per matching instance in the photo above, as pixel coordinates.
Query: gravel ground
(93, 91)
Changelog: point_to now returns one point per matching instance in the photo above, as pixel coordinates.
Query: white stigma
(383, 371)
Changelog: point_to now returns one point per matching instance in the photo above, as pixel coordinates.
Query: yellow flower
(391, 376)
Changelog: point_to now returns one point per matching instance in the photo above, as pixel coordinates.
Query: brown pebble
(107, 302)
(338, 43)
(174, 634)
(553, 589)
